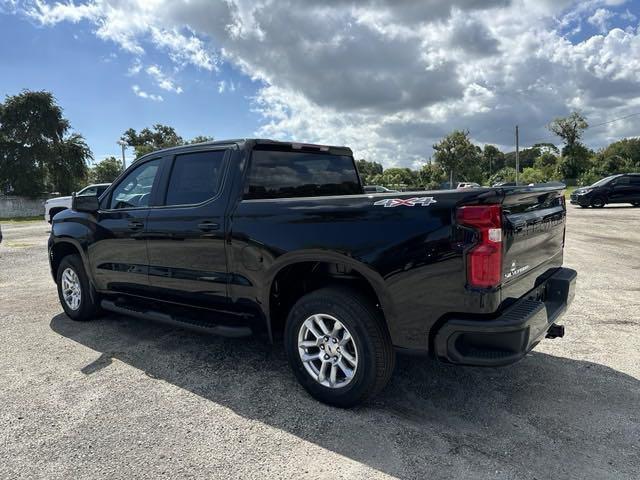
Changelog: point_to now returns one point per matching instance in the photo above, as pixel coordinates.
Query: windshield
(604, 181)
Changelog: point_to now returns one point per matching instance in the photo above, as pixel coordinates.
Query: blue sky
(89, 78)
(386, 78)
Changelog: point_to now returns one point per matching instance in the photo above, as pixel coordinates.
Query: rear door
(622, 191)
(186, 234)
(635, 188)
(534, 228)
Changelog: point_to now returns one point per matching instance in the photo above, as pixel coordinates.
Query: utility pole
(123, 144)
(517, 154)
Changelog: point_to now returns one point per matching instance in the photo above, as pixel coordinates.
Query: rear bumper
(509, 337)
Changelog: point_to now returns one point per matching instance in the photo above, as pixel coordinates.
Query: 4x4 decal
(406, 202)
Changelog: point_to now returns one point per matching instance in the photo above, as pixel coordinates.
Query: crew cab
(55, 205)
(620, 188)
(279, 239)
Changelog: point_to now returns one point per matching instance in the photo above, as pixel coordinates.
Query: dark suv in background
(621, 188)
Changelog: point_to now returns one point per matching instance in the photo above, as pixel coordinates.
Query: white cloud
(149, 96)
(600, 19)
(162, 80)
(226, 86)
(389, 77)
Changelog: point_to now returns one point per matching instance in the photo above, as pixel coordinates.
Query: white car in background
(55, 205)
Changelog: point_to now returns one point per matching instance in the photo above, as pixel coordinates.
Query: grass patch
(21, 219)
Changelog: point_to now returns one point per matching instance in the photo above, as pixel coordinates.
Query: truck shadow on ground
(546, 417)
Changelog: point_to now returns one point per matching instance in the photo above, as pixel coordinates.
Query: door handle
(135, 225)
(208, 226)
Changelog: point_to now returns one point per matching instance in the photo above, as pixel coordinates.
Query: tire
(635, 204)
(87, 306)
(598, 202)
(369, 344)
(584, 206)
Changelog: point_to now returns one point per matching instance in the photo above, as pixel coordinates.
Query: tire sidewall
(365, 372)
(86, 307)
(594, 202)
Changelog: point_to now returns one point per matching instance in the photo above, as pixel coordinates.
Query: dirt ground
(124, 398)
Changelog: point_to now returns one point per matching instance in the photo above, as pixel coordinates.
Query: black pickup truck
(257, 236)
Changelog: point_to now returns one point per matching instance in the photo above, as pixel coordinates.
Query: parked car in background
(378, 189)
(621, 188)
(214, 237)
(55, 205)
(468, 185)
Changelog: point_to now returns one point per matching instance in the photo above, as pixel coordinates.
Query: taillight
(484, 260)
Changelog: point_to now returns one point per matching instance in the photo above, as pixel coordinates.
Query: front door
(186, 241)
(118, 256)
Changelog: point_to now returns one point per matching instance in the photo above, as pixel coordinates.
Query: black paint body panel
(413, 257)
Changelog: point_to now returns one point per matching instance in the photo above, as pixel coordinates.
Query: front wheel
(635, 204)
(598, 202)
(338, 346)
(74, 290)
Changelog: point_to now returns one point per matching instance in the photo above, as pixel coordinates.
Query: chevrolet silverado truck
(249, 236)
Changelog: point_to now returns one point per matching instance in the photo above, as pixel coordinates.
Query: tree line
(457, 157)
(40, 153)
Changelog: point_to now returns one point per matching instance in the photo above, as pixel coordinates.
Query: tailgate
(533, 235)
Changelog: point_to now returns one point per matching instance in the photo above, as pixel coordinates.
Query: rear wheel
(79, 301)
(598, 202)
(338, 346)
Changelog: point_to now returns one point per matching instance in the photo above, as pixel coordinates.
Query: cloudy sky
(386, 77)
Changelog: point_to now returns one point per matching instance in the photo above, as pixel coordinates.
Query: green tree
(458, 156)
(532, 175)
(506, 174)
(492, 160)
(575, 156)
(38, 152)
(201, 139)
(399, 177)
(547, 163)
(151, 139)
(368, 170)
(431, 176)
(106, 170)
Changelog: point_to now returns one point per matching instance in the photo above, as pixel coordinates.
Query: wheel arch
(318, 262)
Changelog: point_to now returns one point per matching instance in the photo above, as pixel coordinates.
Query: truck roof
(252, 142)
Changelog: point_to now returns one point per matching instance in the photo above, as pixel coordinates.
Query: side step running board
(179, 321)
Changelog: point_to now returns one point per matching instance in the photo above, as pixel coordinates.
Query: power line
(550, 137)
(614, 120)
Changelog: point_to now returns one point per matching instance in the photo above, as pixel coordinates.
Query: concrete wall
(11, 207)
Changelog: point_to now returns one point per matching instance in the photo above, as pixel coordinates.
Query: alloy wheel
(327, 350)
(71, 289)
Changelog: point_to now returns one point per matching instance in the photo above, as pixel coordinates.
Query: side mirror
(85, 203)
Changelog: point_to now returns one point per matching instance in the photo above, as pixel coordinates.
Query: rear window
(278, 174)
(195, 177)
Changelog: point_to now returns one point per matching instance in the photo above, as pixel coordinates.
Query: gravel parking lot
(124, 398)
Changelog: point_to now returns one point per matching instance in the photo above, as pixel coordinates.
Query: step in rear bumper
(509, 337)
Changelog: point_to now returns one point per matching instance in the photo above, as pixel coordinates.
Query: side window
(622, 181)
(635, 180)
(195, 177)
(135, 189)
(286, 174)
